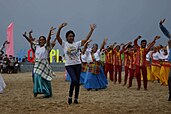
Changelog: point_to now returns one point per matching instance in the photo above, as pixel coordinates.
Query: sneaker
(76, 101)
(69, 101)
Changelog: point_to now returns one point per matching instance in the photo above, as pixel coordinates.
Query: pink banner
(10, 46)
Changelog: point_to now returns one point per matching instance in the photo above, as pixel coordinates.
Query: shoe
(88, 89)
(128, 86)
(69, 101)
(76, 101)
(35, 94)
(96, 89)
(169, 98)
(145, 89)
(138, 88)
(124, 84)
(47, 96)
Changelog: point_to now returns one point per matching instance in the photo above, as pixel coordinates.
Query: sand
(116, 99)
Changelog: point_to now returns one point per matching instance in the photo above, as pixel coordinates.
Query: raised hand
(62, 25)
(52, 30)
(92, 26)
(139, 37)
(31, 31)
(6, 42)
(105, 41)
(156, 37)
(162, 21)
(24, 34)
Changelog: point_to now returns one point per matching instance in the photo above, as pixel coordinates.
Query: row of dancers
(90, 62)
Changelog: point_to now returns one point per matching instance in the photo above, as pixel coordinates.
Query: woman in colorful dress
(95, 78)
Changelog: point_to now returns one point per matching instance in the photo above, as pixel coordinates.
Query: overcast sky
(119, 20)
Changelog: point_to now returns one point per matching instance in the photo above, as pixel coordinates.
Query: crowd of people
(9, 64)
(92, 65)
(145, 62)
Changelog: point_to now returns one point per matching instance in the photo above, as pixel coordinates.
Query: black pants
(169, 82)
(74, 72)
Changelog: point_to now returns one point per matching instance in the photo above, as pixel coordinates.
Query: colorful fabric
(84, 67)
(156, 63)
(42, 86)
(126, 60)
(164, 74)
(94, 68)
(109, 57)
(42, 68)
(155, 73)
(117, 55)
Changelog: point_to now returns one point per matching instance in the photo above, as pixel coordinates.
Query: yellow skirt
(155, 73)
(148, 73)
(164, 73)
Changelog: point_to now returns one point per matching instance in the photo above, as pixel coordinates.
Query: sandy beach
(116, 99)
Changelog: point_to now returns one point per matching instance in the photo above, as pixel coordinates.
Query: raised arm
(58, 33)
(27, 38)
(163, 29)
(30, 35)
(152, 43)
(103, 44)
(125, 46)
(85, 47)
(51, 32)
(3, 46)
(114, 44)
(92, 27)
(136, 41)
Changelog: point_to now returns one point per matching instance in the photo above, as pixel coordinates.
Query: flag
(10, 46)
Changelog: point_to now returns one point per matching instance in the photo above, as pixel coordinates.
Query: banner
(10, 46)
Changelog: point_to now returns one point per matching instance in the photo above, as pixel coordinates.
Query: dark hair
(95, 45)
(143, 41)
(70, 31)
(129, 46)
(42, 37)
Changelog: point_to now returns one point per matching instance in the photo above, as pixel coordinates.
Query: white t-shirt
(155, 56)
(71, 52)
(41, 52)
(96, 56)
(162, 56)
(83, 57)
(148, 55)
